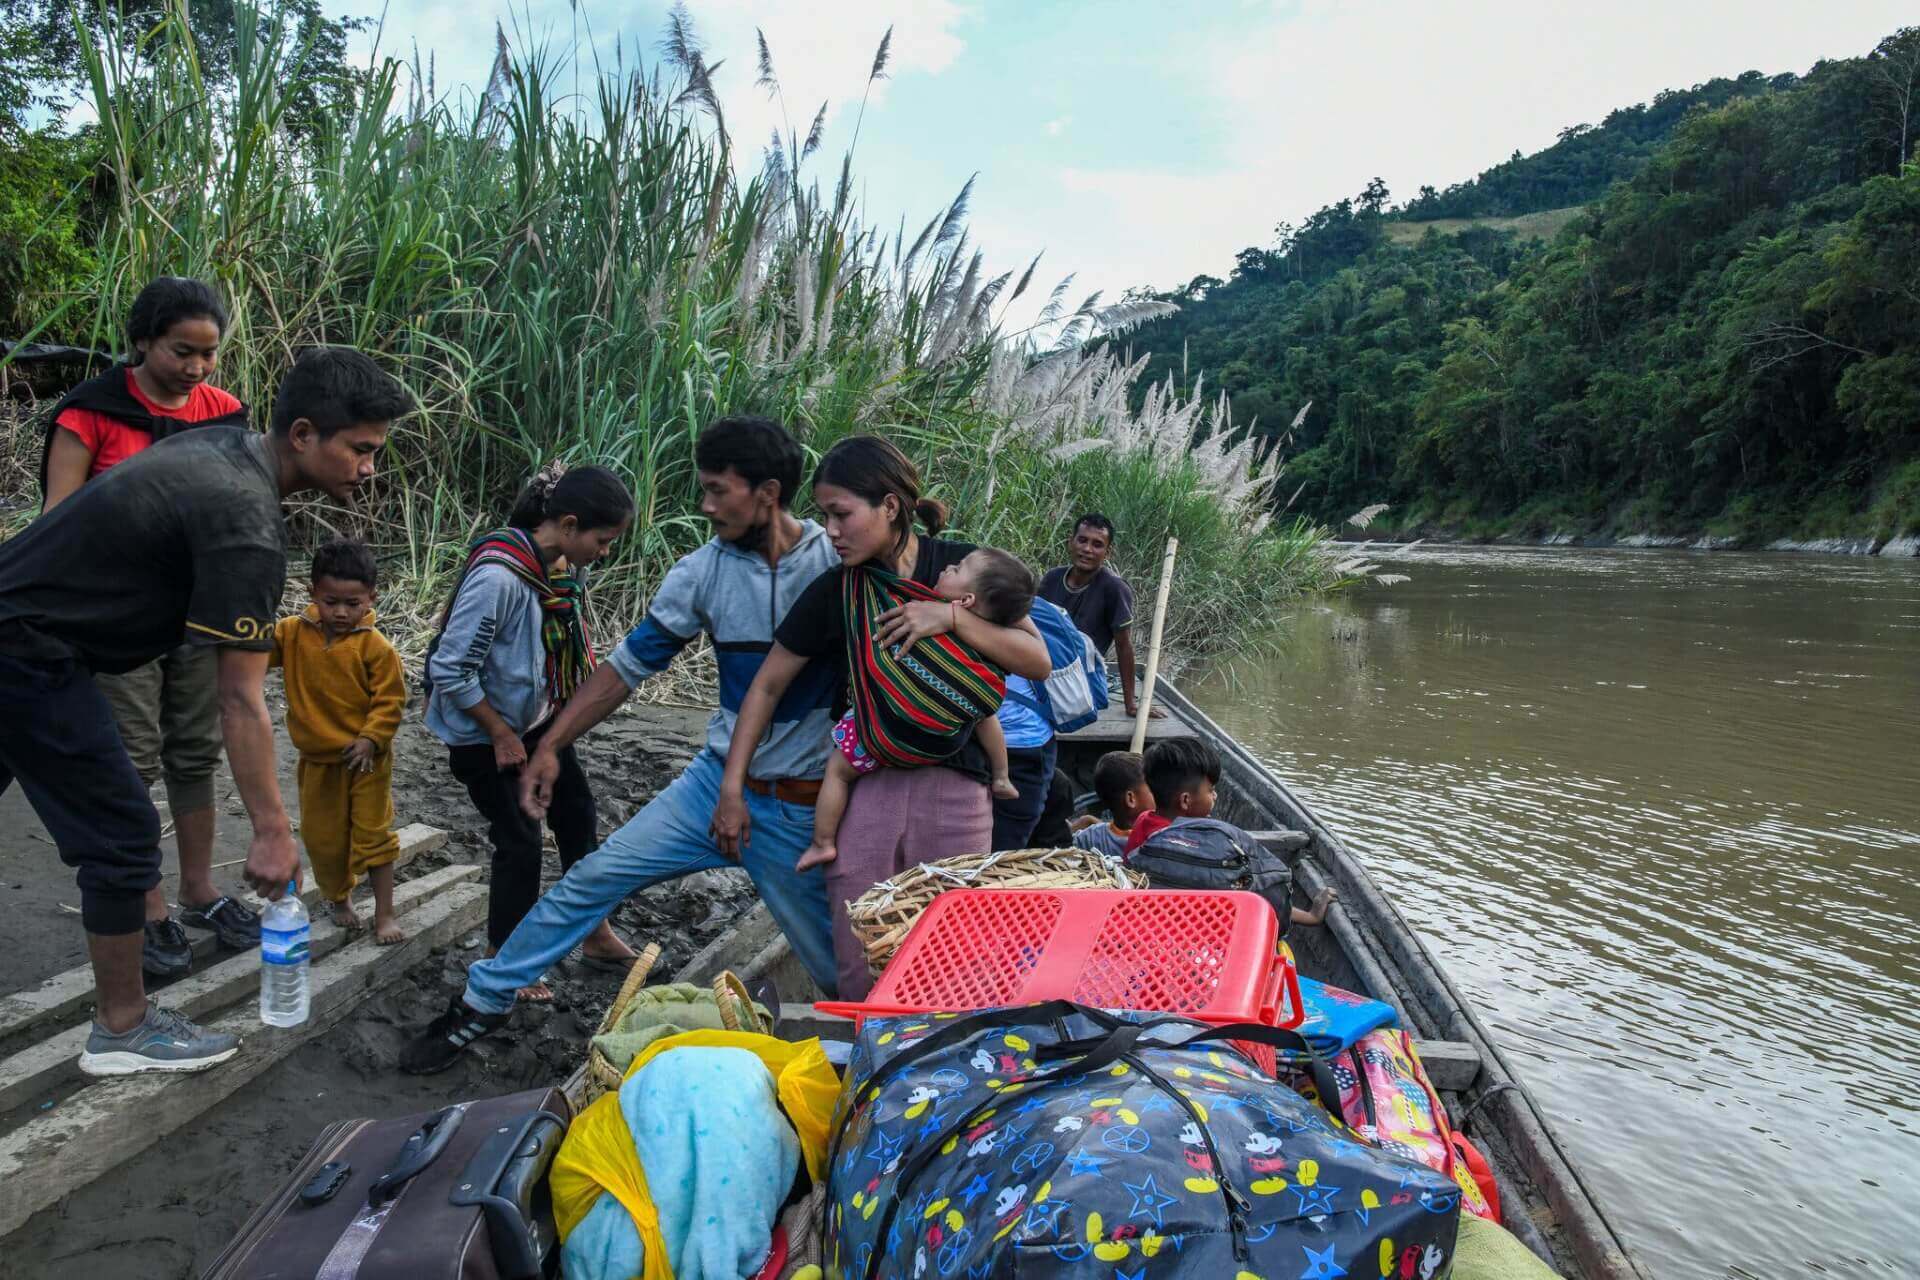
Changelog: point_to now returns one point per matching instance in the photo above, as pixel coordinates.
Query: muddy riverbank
(168, 1212)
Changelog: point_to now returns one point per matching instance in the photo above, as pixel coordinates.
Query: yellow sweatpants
(346, 821)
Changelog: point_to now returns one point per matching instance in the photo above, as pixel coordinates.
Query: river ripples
(1659, 814)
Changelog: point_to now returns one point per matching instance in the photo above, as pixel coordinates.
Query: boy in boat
(345, 694)
(1120, 780)
(988, 583)
(184, 541)
(1181, 774)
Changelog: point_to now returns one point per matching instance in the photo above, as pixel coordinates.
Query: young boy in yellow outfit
(345, 693)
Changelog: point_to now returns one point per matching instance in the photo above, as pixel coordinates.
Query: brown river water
(1658, 813)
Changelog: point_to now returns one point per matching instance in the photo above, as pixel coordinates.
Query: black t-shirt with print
(182, 542)
(816, 628)
(1102, 608)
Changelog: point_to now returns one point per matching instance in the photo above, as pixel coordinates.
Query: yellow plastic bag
(598, 1153)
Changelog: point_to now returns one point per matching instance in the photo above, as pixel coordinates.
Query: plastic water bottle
(284, 976)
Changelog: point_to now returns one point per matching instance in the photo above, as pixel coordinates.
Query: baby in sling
(915, 709)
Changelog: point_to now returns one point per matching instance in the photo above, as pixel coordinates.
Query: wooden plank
(66, 994)
(798, 1021)
(54, 1061)
(1116, 726)
(107, 1124)
(1452, 1065)
(1288, 846)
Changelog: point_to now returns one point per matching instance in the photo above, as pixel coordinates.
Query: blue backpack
(1076, 693)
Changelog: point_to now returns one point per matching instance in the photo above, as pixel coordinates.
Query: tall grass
(592, 281)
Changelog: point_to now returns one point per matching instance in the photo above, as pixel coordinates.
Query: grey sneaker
(164, 1041)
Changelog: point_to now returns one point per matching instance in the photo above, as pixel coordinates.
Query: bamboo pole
(1153, 647)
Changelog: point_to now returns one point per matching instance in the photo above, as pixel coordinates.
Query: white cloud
(1058, 126)
(1322, 97)
(818, 59)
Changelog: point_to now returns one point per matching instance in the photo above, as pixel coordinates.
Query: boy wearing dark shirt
(184, 541)
(1182, 774)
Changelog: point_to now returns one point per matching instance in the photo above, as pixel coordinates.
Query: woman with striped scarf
(870, 497)
(512, 646)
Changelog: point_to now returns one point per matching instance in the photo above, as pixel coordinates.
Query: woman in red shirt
(167, 710)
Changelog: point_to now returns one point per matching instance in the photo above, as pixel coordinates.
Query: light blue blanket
(719, 1156)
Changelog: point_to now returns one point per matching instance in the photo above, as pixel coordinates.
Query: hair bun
(547, 477)
(932, 514)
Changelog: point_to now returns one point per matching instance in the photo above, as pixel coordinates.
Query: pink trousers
(898, 818)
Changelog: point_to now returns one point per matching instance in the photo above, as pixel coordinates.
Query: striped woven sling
(563, 624)
(913, 709)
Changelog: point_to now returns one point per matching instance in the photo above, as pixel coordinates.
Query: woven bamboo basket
(729, 996)
(883, 915)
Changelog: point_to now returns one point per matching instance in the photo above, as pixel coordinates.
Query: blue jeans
(666, 840)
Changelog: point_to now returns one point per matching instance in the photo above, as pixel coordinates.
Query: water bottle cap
(293, 886)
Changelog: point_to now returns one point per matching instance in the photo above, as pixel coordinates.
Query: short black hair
(347, 559)
(1173, 765)
(1115, 774)
(1097, 521)
(338, 387)
(1004, 586)
(167, 301)
(755, 448)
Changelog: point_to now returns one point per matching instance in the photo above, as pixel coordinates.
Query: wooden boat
(1366, 946)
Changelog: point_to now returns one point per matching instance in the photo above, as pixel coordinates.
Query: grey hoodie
(490, 649)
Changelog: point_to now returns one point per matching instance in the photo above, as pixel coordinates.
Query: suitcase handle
(420, 1149)
(503, 1179)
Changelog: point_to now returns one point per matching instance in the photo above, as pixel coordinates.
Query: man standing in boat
(1097, 599)
(735, 588)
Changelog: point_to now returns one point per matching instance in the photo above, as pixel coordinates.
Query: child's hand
(359, 755)
(1082, 822)
(904, 626)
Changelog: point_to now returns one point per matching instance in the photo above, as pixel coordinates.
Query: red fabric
(111, 441)
(1145, 825)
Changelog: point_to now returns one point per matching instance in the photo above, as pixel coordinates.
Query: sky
(1142, 143)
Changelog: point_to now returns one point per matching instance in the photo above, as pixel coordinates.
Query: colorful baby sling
(563, 623)
(915, 708)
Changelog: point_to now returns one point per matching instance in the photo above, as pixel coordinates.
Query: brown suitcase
(455, 1194)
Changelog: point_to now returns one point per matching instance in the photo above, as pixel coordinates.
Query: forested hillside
(1726, 340)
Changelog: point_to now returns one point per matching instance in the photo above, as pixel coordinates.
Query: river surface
(1658, 813)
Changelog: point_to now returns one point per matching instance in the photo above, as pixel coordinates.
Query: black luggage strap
(1097, 1055)
(420, 1150)
(1295, 1048)
(953, 1032)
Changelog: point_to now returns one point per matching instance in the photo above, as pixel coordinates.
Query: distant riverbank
(1905, 547)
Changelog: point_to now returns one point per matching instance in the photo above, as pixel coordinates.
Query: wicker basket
(882, 916)
(737, 1013)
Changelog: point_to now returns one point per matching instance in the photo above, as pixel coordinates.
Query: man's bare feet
(535, 993)
(387, 931)
(1004, 789)
(346, 917)
(604, 944)
(817, 854)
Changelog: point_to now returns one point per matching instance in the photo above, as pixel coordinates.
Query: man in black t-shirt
(1097, 599)
(182, 543)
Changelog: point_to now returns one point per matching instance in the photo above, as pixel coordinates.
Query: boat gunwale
(1507, 1104)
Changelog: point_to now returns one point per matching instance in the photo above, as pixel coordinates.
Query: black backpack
(1206, 853)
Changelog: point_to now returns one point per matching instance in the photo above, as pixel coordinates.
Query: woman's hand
(904, 626)
(508, 751)
(732, 825)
